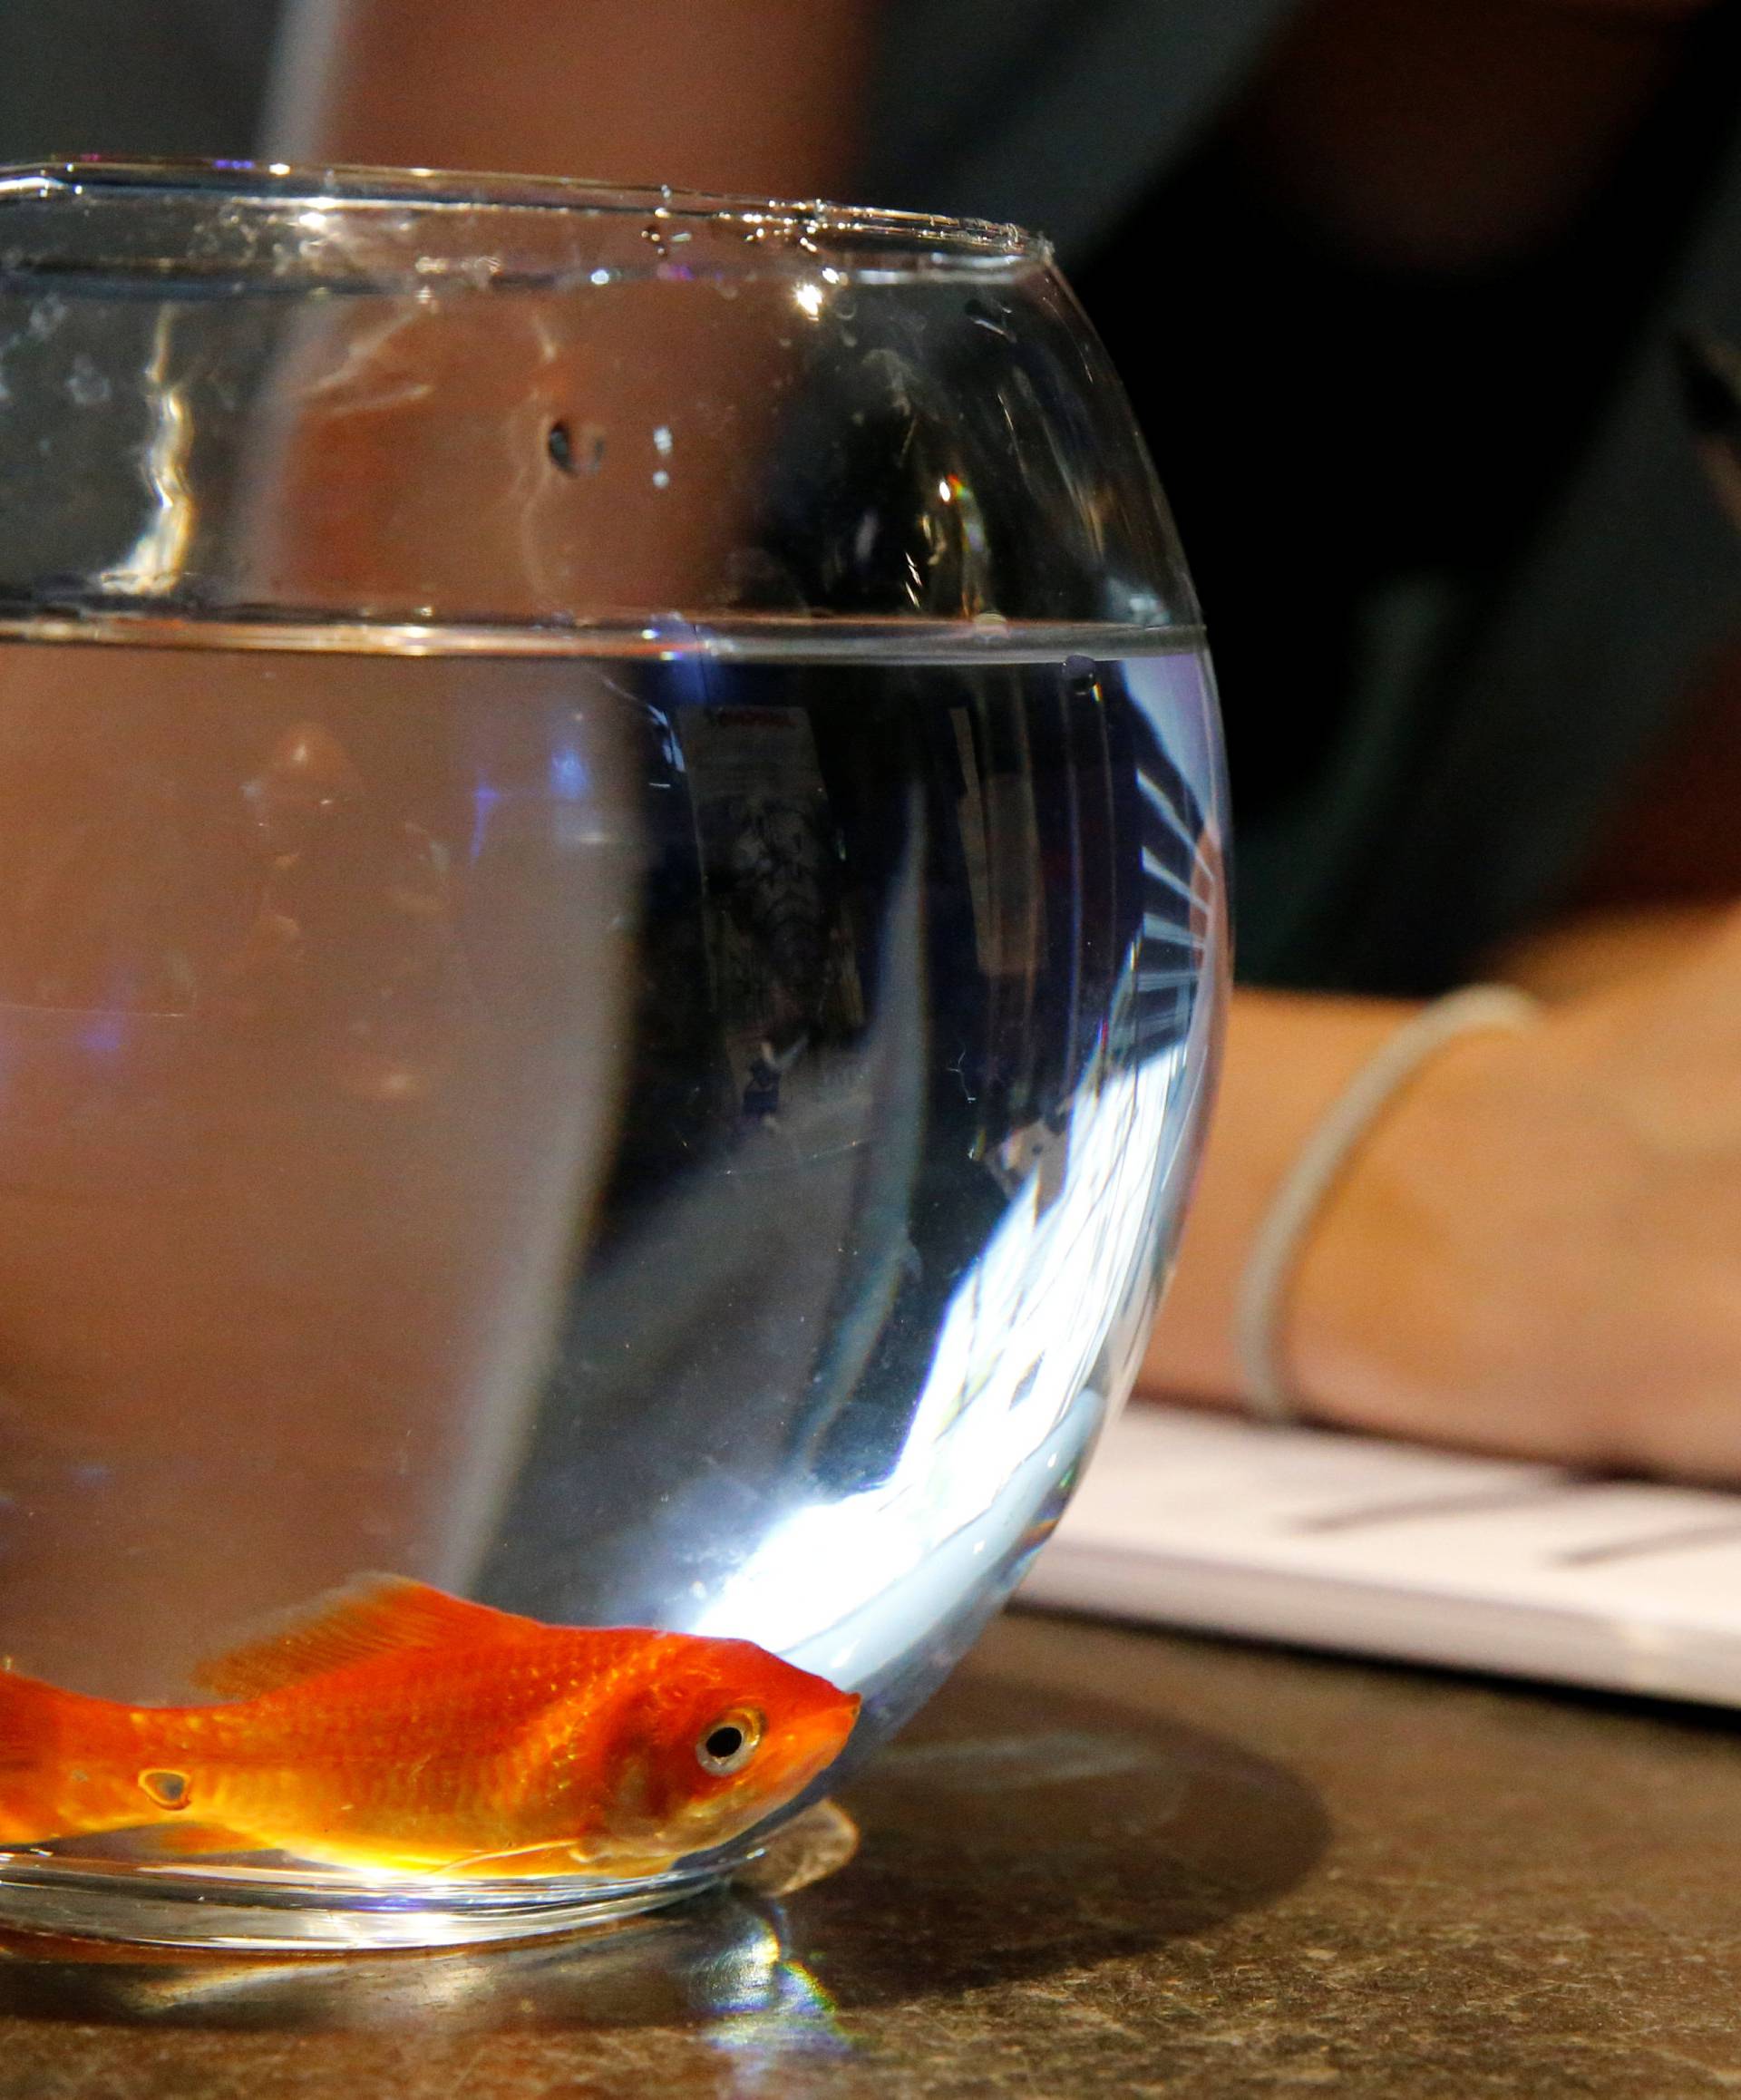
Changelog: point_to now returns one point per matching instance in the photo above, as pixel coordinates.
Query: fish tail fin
(51, 1747)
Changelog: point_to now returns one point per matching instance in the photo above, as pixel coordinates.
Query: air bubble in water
(88, 387)
(572, 452)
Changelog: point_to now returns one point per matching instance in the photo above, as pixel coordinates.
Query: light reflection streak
(792, 2014)
(152, 566)
(484, 798)
(1004, 1408)
(103, 1035)
(569, 780)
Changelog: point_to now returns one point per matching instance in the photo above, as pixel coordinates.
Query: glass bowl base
(268, 1912)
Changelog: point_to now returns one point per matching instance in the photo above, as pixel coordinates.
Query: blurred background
(1393, 283)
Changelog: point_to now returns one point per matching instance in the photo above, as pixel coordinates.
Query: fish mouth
(814, 1744)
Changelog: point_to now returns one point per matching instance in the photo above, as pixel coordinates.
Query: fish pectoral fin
(529, 1860)
(542, 1859)
(374, 1615)
(627, 1867)
(189, 1840)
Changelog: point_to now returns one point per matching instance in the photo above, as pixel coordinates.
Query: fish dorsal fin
(374, 1615)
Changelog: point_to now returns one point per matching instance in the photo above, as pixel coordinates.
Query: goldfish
(393, 1727)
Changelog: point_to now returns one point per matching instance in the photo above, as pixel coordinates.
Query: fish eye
(730, 1742)
(167, 1789)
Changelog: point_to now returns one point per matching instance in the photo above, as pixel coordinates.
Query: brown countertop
(1105, 1862)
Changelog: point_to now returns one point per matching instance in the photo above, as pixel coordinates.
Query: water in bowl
(639, 1129)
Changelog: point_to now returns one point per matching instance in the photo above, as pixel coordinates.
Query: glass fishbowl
(611, 948)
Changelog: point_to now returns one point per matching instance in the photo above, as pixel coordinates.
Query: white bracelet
(1260, 1316)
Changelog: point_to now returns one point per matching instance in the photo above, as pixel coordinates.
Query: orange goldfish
(394, 1726)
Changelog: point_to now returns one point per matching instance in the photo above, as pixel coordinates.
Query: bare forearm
(740, 95)
(1534, 1248)
(1446, 1287)
(1288, 1057)
(1287, 1060)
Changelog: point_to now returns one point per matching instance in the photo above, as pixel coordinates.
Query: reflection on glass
(611, 936)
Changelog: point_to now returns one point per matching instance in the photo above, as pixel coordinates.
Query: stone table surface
(1104, 1862)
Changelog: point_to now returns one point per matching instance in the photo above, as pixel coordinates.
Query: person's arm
(1536, 1249)
(1287, 1058)
(756, 96)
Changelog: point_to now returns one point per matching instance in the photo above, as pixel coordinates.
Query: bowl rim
(360, 189)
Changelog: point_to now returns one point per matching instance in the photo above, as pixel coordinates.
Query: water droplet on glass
(88, 387)
(986, 316)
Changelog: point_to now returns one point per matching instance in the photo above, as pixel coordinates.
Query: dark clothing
(1455, 552)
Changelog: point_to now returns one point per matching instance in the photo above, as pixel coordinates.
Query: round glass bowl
(611, 941)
